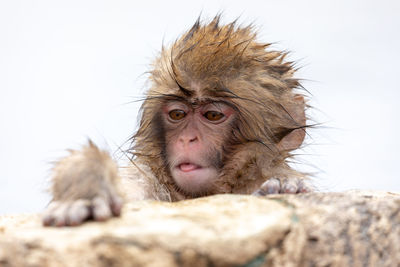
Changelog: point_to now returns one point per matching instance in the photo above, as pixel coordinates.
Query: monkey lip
(193, 178)
(188, 167)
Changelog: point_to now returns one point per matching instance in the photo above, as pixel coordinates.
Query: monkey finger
(116, 205)
(304, 186)
(78, 212)
(116, 201)
(100, 209)
(290, 185)
(271, 186)
(60, 214)
(48, 217)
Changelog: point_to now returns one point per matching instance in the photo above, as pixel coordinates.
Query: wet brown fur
(226, 63)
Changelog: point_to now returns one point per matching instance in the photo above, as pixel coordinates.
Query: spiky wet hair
(227, 63)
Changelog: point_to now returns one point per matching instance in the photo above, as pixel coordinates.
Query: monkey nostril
(194, 139)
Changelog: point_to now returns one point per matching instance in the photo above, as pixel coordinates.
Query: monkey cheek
(195, 181)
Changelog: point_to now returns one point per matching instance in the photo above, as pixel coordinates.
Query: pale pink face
(194, 139)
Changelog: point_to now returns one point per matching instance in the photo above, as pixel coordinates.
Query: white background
(69, 68)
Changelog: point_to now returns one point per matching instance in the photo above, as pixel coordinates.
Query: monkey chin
(194, 179)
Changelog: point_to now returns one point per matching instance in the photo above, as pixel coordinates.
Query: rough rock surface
(355, 228)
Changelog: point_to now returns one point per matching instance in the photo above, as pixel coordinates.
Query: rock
(355, 228)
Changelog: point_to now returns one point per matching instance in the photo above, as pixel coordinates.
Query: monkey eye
(213, 115)
(177, 114)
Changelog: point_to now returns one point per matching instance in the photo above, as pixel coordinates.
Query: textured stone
(317, 229)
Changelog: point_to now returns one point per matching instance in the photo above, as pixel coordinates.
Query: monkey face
(195, 134)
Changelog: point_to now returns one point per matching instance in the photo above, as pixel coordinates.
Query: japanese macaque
(222, 115)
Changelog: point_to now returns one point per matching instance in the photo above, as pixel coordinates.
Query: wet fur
(226, 63)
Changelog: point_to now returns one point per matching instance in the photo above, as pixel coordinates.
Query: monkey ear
(295, 138)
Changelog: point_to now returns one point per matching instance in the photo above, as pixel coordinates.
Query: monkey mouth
(193, 178)
(188, 167)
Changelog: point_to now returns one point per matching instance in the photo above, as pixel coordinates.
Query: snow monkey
(223, 114)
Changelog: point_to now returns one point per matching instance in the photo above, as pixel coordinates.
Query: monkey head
(215, 93)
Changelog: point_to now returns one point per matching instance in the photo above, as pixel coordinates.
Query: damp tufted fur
(226, 63)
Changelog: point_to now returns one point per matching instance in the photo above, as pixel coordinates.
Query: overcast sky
(69, 71)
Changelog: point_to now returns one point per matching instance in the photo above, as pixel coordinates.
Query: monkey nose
(188, 138)
(188, 141)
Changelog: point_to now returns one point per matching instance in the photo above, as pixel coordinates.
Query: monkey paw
(283, 186)
(73, 213)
